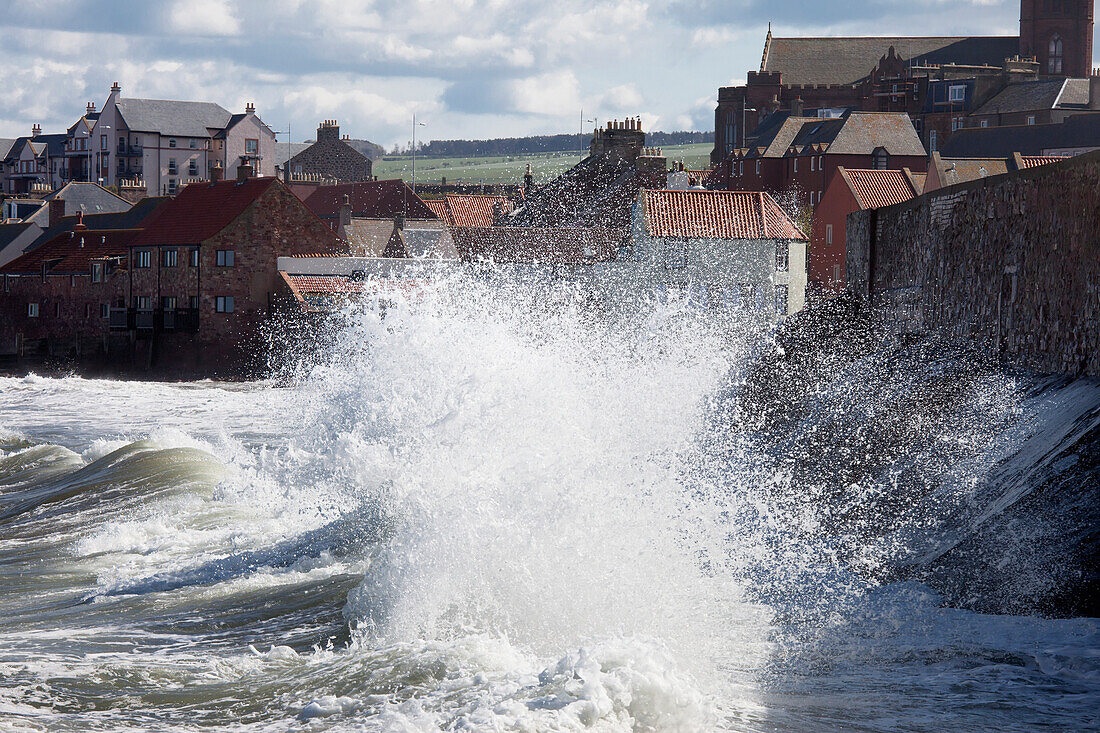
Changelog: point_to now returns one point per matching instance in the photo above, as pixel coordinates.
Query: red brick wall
(833, 211)
(69, 306)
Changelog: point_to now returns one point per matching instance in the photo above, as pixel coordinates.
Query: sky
(465, 68)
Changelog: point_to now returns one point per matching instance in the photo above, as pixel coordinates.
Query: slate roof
(91, 198)
(6, 144)
(875, 189)
(716, 215)
(71, 254)
(200, 211)
(10, 234)
(132, 218)
(1077, 131)
(959, 170)
(436, 242)
(854, 133)
(1030, 96)
(546, 245)
(286, 151)
(369, 199)
(850, 60)
(172, 117)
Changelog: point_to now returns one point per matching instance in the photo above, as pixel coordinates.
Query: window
(172, 142)
(223, 304)
(192, 143)
(731, 130)
(985, 123)
(957, 93)
(1054, 53)
(168, 257)
(32, 310)
(173, 185)
(880, 159)
(57, 309)
(193, 168)
(142, 258)
(932, 143)
(102, 142)
(796, 165)
(811, 198)
(781, 299)
(813, 163)
(1031, 119)
(171, 166)
(194, 257)
(828, 234)
(104, 310)
(225, 258)
(194, 302)
(758, 167)
(97, 272)
(782, 257)
(251, 147)
(168, 303)
(836, 273)
(87, 310)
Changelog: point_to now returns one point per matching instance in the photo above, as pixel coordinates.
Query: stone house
(1076, 135)
(731, 249)
(851, 190)
(330, 159)
(212, 251)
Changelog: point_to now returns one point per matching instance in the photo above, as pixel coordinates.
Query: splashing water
(499, 507)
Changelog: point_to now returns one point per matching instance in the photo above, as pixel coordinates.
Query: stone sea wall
(1010, 263)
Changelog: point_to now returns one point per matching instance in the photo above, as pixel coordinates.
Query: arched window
(1054, 55)
(731, 130)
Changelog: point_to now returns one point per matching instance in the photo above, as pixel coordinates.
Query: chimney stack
(328, 130)
(36, 130)
(215, 172)
(345, 212)
(115, 88)
(79, 227)
(250, 109)
(57, 210)
(1094, 89)
(90, 109)
(244, 172)
(528, 182)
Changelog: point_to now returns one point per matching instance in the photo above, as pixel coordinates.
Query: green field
(509, 169)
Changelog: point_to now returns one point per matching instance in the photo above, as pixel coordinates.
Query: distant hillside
(542, 144)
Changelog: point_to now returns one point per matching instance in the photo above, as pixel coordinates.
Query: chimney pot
(36, 130)
(116, 88)
(79, 227)
(244, 172)
(57, 210)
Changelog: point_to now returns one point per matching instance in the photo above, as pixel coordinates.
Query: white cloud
(204, 18)
(553, 94)
(623, 98)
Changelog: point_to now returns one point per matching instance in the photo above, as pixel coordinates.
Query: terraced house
(161, 145)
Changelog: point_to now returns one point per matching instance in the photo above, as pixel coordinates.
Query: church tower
(1059, 34)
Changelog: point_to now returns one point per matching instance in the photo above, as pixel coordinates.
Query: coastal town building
(822, 77)
(851, 190)
(35, 164)
(943, 172)
(801, 155)
(78, 147)
(160, 145)
(330, 159)
(1074, 136)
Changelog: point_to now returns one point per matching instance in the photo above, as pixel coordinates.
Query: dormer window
(880, 159)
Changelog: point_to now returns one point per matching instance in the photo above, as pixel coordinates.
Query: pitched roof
(550, 245)
(10, 232)
(1028, 96)
(474, 210)
(439, 206)
(72, 253)
(90, 198)
(597, 192)
(874, 189)
(172, 117)
(959, 170)
(850, 60)
(6, 144)
(862, 132)
(202, 210)
(1077, 131)
(716, 215)
(132, 218)
(434, 242)
(369, 199)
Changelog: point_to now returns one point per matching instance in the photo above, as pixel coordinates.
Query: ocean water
(496, 508)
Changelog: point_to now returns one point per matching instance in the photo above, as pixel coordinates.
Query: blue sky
(467, 68)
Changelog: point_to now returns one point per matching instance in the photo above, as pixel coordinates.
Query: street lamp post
(414, 126)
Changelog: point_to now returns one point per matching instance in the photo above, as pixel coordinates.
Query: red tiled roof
(369, 199)
(201, 210)
(716, 215)
(474, 210)
(439, 207)
(1032, 161)
(72, 252)
(874, 189)
(307, 289)
(324, 284)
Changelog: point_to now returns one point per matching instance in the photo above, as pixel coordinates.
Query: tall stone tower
(1059, 34)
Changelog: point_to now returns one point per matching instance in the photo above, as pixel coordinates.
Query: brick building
(824, 76)
(802, 154)
(851, 190)
(331, 158)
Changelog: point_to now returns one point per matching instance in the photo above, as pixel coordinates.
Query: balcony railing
(150, 320)
(130, 151)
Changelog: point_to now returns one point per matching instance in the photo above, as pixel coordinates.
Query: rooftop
(173, 117)
(716, 215)
(874, 189)
(201, 210)
(72, 253)
(368, 199)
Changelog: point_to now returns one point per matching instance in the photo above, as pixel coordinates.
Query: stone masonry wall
(1010, 262)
